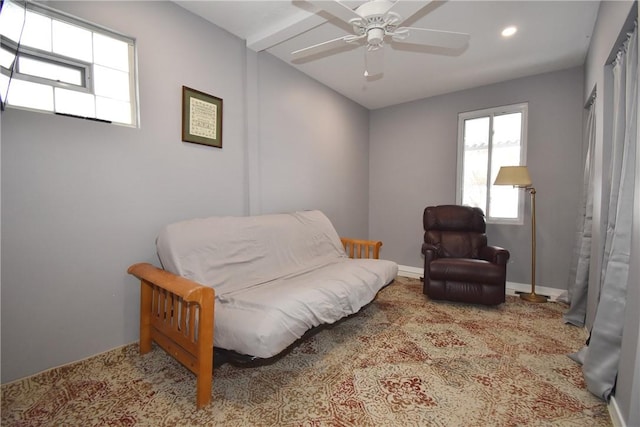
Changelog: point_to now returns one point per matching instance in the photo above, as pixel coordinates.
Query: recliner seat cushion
(466, 270)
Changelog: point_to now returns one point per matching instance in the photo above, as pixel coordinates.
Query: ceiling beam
(291, 26)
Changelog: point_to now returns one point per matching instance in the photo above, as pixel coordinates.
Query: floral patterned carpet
(402, 361)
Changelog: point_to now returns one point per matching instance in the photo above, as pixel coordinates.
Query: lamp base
(533, 297)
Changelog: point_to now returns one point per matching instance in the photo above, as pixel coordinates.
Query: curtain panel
(601, 357)
(578, 285)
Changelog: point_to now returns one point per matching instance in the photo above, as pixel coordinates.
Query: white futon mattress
(264, 320)
(275, 276)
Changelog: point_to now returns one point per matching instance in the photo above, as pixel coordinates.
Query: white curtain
(579, 274)
(600, 358)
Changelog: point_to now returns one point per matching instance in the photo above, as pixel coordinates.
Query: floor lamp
(518, 176)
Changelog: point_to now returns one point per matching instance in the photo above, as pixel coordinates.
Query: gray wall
(413, 165)
(614, 19)
(323, 158)
(81, 201)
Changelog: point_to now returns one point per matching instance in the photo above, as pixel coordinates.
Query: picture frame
(201, 118)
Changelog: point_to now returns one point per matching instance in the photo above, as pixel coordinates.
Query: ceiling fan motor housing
(376, 21)
(375, 36)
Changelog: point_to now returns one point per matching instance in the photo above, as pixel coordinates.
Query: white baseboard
(614, 413)
(412, 272)
(513, 288)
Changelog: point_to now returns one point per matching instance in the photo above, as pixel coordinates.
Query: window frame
(522, 108)
(86, 68)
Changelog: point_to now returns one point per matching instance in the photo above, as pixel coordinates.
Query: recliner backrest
(457, 231)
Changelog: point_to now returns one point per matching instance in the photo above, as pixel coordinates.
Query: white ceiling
(552, 35)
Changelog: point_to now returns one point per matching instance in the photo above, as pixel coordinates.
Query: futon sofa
(263, 281)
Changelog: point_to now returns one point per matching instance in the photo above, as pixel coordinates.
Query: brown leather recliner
(458, 263)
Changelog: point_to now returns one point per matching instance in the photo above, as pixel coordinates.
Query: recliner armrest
(495, 254)
(429, 251)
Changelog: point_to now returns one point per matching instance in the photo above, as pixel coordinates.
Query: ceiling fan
(377, 21)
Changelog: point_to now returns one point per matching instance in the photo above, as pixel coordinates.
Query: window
(487, 140)
(50, 61)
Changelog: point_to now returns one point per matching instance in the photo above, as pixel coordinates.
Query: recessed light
(509, 31)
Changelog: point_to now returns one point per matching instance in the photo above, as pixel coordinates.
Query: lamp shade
(518, 176)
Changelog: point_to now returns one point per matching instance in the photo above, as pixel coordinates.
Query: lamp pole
(533, 297)
(519, 177)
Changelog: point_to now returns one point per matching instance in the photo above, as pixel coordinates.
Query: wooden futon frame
(178, 314)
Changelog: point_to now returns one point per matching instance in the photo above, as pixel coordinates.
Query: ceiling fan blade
(448, 39)
(374, 62)
(337, 9)
(406, 9)
(324, 46)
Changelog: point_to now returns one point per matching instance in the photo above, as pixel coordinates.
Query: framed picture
(201, 118)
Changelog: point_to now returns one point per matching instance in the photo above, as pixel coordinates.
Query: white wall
(81, 200)
(413, 165)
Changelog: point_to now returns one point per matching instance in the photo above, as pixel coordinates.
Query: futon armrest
(495, 254)
(187, 289)
(168, 318)
(359, 248)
